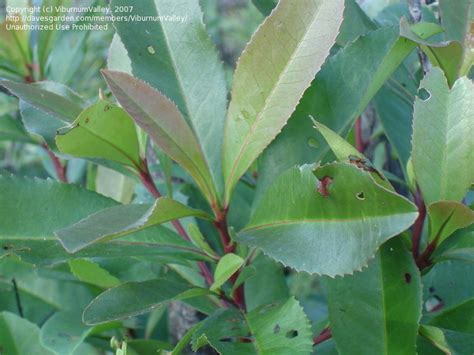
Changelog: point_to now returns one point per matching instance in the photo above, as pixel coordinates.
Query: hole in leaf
(276, 329)
(323, 186)
(407, 277)
(87, 119)
(424, 94)
(7, 247)
(292, 334)
(313, 142)
(360, 196)
(106, 108)
(432, 289)
(434, 303)
(151, 50)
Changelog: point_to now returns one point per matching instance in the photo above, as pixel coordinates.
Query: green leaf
(49, 202)
(269, 274)
(449, 283)
(134, 298)
(165, 55)
(19, 336)
(113, 184)
(198, 240)
(448, 341)
(267, 87)
(458, 318)
(339, 94)
(265, 6)
(394, 106)
(446, 217)
(446, 55)
(43, 97)
(163, 122)
(382, 305)
(460, 246)
(118, 56)
(43, 118)
(11, 129)
(330, 227)
(64, 332)
(102, 131)
(356, 23)
(345, 152)
(456, 18)
(91, 273)
(443, 128)
(225, 268)
(271, 329)
(121, 220)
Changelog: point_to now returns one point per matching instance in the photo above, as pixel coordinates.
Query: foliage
(315, 199)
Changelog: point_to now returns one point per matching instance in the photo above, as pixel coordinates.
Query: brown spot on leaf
(407, 277)
(323, 186)
(106, 108)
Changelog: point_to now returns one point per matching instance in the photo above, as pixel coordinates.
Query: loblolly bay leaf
(278, 328)
(443, 148)
(272, 74)
(179, 59)
(32, 209)
(103, 131)
(446, 217)
(339, 94)
(163, 122)
(135, 298)
(331, 226)
(382, 304)
(122, 220)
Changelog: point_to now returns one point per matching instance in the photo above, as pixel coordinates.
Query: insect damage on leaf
(323, 186)
(365, 165)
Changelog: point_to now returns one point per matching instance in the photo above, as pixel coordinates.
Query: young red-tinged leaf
(161, 119)
(179, 59)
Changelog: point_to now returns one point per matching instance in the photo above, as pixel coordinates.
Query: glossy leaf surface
(331, 226)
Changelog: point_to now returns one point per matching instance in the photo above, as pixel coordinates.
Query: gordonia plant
(242, 221)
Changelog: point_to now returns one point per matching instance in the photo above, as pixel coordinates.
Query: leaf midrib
(318, 220)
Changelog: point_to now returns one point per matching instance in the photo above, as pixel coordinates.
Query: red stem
(359, 140)
(323, 336)
(59, 168)
(418, 226)
(148, 182)
(229, 247)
